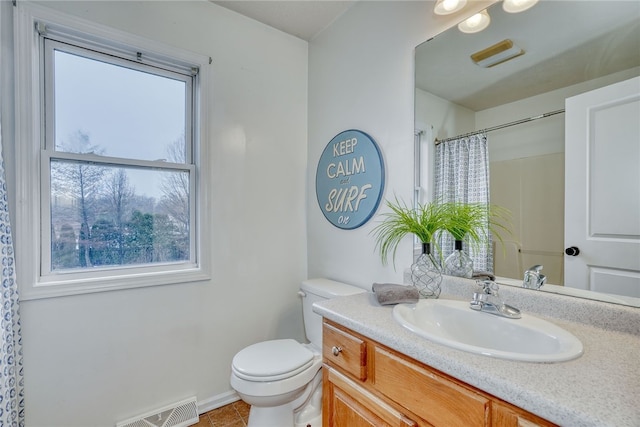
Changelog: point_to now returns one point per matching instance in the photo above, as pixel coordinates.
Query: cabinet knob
(336, 350)
(572, 251)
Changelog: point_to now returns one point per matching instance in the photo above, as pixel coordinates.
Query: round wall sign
(350, 179)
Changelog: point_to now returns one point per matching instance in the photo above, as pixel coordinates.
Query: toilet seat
(272, 360)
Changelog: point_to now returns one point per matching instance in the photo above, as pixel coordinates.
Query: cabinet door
(432, 397)
(347, 404)
(508, 416)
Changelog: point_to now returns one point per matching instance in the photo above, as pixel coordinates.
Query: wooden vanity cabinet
(368, 384)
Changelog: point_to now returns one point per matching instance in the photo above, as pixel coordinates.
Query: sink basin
(454, 324)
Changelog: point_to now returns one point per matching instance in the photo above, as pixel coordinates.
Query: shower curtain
(11, 374)
(462, 176)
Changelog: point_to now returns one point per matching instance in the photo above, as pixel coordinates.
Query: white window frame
(36, 280)
(423, 173)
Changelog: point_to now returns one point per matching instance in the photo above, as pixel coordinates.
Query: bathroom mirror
(570, 47)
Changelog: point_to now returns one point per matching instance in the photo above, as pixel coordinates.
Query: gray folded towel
(483, 275)
(390, 293)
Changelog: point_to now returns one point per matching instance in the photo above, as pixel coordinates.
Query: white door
(602, 189)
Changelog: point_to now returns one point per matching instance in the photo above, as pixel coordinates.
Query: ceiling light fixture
(447, 7)
(476, 23)
(496, 54)
(515, 6)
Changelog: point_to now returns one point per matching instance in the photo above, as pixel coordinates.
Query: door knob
(572, 251)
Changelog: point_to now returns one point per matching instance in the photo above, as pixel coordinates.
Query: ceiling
(565, 43)
(577, 40)
(303, 19)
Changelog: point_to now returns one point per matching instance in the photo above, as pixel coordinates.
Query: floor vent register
(181, 414)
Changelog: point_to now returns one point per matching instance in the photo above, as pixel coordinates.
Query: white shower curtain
(11, 374)
(462, 176)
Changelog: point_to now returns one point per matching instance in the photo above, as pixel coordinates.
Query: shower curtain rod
(505, 125)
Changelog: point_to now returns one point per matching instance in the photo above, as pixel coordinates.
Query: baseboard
(217, 401)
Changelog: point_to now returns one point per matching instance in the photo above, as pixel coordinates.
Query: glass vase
(459, 263)
(426, 274)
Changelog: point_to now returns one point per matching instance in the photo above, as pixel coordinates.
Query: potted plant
(423, 221)
(471, 222)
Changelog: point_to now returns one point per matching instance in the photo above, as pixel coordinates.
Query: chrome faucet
(486, 299)
(533, 278)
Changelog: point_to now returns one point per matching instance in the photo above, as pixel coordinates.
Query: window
(116, 130)
(423, 152)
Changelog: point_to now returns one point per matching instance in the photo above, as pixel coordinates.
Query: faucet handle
(489, 287)
(536, 268)
(533, 278)
(542, 279)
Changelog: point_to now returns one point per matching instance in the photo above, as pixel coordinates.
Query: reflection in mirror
(560, 60)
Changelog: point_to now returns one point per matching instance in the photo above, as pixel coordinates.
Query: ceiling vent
(496, 54)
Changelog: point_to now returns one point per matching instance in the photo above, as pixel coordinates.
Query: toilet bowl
(276, 378)
(282, 379)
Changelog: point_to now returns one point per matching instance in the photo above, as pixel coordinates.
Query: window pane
(110, 216)
(122, 112)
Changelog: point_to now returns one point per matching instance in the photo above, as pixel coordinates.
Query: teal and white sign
(350, 179)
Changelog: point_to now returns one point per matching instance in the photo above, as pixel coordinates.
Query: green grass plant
(424, 221)
(464, 221)
(474, 221)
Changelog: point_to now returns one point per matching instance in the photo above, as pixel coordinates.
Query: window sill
(61, 288)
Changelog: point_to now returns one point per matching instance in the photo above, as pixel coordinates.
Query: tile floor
(235, 414)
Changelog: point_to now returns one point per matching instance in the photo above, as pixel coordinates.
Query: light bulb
(447, 7)
(476, 23)
(474, 20)
(515, 6)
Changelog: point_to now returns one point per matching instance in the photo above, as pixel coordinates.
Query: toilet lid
(272, 360)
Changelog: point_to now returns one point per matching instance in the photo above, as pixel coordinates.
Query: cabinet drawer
(430, 396)
(345, 350)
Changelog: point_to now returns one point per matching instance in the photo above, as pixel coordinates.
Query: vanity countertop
(600, 388)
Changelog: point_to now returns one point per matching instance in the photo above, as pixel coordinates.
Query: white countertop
(600, 388)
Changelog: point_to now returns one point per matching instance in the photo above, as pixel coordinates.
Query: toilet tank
(313, 290)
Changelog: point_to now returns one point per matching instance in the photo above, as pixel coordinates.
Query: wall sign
(350, 179)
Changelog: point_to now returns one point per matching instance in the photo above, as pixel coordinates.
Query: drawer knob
(336, 350)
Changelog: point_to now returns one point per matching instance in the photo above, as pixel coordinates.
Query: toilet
(282, 379)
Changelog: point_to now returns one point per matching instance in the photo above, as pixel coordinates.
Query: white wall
(361, 76)
(93, 360)
(539, 137)
(527, 177)
(448, 119)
